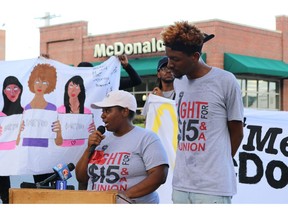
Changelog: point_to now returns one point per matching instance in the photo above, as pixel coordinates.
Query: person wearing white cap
(130, 159)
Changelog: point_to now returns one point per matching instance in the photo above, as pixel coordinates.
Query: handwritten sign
(38, 123)
(10, 127)
(75, 126)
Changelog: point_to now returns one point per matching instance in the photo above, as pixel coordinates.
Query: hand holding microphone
(95, 139)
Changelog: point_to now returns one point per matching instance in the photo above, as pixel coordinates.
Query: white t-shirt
(120, 162)
(169, 94)
(203, 160)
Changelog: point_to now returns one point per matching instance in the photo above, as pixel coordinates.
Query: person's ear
(196, 56)
(125, 112)
(158, 75)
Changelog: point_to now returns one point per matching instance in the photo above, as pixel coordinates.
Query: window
(141, 92)
(256, 93)
(260, 93)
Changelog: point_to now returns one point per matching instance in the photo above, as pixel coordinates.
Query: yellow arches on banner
(157, 121)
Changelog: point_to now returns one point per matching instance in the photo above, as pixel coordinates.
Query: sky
(22, 18)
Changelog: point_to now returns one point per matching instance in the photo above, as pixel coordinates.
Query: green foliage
(139, 120)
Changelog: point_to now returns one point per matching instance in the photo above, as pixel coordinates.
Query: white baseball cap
(117, 98)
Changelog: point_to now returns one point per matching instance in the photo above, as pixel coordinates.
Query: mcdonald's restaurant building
(2, 44)
(257, 57)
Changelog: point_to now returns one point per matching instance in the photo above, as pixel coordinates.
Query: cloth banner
(42, 87)
(261, 163)
(161, 117)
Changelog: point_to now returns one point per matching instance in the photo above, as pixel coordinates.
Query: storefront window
(260, 94)
(256, 93)
(141, 92)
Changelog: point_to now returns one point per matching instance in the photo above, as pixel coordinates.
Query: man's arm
(236, 135)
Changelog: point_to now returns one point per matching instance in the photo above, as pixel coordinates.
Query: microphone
(37, 186)
(102, 130)
(62, 172)
(33, 185)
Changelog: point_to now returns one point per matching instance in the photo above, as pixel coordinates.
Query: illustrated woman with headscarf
(12, 91)
(74, 99)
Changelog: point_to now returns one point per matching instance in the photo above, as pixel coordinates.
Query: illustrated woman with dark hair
(74, 99)
(12, 91)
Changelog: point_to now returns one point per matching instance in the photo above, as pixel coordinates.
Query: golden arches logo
(157, 121)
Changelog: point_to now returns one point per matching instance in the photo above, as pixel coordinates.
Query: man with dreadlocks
(210, 120)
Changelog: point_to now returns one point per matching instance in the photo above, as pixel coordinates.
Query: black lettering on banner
(255, 134)
(269, 172)
(243, 178)
(276, 171)
(284, 146)
(283, 181)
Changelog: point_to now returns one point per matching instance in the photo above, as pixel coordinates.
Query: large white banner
(161, 117)
(261, 163)
(38, 93)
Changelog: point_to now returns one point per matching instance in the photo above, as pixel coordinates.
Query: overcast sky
(22, 18)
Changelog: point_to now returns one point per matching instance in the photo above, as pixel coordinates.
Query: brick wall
(69, 43)
(2, 44)
(229, 37)
(239, 39)
(64, 42)
(282, 26)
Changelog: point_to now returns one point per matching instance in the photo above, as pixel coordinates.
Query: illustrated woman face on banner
(42, 79)
(73, 90)
(12, 91)
(74, 95)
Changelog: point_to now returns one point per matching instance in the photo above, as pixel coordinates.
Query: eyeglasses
(12, 89)
(165, 69)
(73, 86)
(37, 82)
